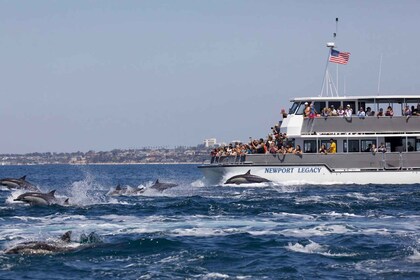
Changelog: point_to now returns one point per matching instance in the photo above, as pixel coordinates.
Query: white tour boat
(354, 161)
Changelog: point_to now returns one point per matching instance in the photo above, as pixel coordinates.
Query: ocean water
(200, 231)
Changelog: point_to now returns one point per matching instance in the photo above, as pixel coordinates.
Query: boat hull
(320, 169)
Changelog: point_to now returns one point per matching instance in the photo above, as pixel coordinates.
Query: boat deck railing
(368, 125)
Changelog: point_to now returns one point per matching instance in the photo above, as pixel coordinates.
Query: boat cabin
(399, 131)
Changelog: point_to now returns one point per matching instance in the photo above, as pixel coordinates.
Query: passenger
(297, 150)
(349, 111)
(323, 149)
(259, 146)
(325, 113)
(273, 148)
(409, 147)
(407, 111)
(283, 113)
(333, 111)
(369, 112)
(313, 112)
(361, 114)
(380, 113)
(307, 111)
(333, 147)
(389, 112)
(373, 149)
(289, 149)
(340, 111)
(382, 148)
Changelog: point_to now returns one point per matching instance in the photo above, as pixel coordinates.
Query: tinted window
(367, 144)
(353, 146)
(319, 106)
(309, 146)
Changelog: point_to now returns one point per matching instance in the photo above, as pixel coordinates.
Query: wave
(315, 248)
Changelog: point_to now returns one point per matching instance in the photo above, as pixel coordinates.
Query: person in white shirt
(361, 114)
(349, 111)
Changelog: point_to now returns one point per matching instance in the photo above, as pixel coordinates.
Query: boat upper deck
(295, 124)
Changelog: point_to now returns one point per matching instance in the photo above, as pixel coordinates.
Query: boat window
(319, 106)
(361, 104)
(293, 108)
(301, 109)
(309, 146)
(353, 146)
(324, 142)
(411, 144)
(367, 144)
(336, 104)
(418, 145)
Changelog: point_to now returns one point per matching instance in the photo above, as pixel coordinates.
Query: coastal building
(210, 142)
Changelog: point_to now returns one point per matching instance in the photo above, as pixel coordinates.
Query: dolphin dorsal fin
(23, 178)
(118, 188)
(248, 173)
(66, 202)
(157, 181)
(51, 193)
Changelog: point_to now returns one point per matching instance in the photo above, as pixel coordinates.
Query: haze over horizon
(103, 75)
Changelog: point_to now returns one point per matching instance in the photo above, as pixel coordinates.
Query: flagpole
(335, 41)
(329, 45)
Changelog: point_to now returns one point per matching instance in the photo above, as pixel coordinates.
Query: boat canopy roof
(365, 98)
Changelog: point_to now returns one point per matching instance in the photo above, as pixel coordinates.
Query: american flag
(339, 57)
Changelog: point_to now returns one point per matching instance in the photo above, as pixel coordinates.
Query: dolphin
(39, 198)
(20, 183)
(246, 178)
(43, 247)
(162, 186)
(125, 191)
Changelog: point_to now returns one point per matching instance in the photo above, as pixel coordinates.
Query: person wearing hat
(307, 110)
(349, 111)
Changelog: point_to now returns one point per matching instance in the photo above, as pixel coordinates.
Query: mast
(328, 86)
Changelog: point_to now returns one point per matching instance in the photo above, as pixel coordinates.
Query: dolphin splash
(62, 245)
(159, 186)
(246, 178)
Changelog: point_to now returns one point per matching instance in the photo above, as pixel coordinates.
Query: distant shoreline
(109, 163)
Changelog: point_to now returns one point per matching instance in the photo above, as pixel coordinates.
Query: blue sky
(101, 75)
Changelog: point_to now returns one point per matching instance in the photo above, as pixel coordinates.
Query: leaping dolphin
(20, 184)
(246, 178)
(162, 186)
(39, 198)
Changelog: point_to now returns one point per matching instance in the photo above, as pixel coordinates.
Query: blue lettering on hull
(293, 170)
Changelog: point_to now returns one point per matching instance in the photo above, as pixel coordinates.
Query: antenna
(335, 35)
(380, 73)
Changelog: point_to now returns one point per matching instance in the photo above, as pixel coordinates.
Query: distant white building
(210, 142)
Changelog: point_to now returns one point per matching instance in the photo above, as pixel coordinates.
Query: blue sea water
(200, 231)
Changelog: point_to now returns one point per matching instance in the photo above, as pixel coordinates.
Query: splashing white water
(86, 192)
(315, 248)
